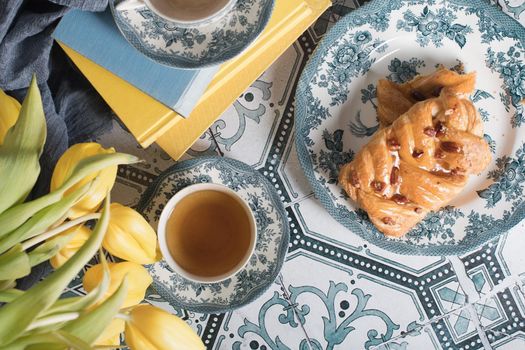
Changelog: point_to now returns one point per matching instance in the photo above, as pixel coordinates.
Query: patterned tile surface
(335, 290)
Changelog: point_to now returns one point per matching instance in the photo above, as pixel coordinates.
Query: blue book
(96, 36)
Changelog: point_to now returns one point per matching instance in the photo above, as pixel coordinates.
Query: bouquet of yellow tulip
(53, 227)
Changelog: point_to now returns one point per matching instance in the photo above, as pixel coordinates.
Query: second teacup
(185, 13)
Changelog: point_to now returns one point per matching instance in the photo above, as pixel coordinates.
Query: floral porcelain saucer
(193, 48)
(398, 39)
(272, 235)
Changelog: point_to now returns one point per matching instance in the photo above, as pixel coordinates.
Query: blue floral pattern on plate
(272, 240)
(193, 48)
(336, 111)
(434, 26)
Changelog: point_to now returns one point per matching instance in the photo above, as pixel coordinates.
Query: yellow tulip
(9, 110)
(111, 335)
(80, 237)
(130, 237)
(106, 178)
(154, 329)
(138, 277)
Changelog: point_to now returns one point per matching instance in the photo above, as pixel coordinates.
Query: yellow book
(146, 118)
(150, 121)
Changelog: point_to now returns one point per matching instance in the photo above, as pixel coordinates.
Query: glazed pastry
(396, 99)
(417, 164)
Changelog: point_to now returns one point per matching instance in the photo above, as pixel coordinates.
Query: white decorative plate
(335, 114)
(193, 48)
(272, 235)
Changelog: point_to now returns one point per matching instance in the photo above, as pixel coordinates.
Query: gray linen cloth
(74, 111)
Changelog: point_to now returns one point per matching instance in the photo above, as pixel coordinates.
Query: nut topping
(394, 176)
(418, 210)
(441, 129)
(400, 199)
(451, 146)
(377, 185)
(429, 131)
(417, 153)
(388, 221)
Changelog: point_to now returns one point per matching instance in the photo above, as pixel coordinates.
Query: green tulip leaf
(17, 215)
(90, 325)
(21, 150)
(17, 316)
(76, 304)
(40, 222)
(64, 338)
(48, 249)
(7, 284)
(8, 295)
(14, 264)
(50, 340)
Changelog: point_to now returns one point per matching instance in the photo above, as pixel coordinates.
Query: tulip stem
(57, 230)
(60, 221)
(124, 317)
(47, 321)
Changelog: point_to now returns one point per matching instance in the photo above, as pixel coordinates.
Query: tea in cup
(184, 13)
(207, 233)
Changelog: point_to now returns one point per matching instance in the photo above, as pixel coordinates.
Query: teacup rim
(166, 213)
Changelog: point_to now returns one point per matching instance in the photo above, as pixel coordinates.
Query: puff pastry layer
(396, 99)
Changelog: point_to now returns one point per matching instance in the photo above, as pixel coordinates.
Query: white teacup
(184, 13)
(168, 214)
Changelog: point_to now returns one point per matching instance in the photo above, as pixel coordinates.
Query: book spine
(291, 20)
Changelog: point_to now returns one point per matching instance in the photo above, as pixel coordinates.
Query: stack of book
(169, 106)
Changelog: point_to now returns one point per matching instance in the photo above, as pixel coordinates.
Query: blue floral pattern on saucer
(398, 39)
(198, 47)
(272, 235)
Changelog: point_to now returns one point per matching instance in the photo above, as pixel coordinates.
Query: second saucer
(194, 47)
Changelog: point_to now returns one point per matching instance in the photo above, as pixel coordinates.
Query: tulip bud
(152, 328)
(138, 277)
(130, 237)
(105, 181)
(9, 110)
(80, 237)
(111, 335)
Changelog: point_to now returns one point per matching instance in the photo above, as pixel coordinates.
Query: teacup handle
(130, 5)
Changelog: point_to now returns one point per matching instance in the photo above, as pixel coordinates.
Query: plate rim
(185, 63)
(398, 247)
(208, 308)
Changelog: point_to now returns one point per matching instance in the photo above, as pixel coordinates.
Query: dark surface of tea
(189, 10)
(208, 233)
